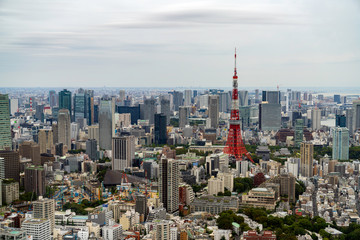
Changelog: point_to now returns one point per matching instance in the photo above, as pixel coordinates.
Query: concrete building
(10, 191)
(269, 116)
(306, 159)
(315, 119)
(149, 109)
(169, 184)
(45, 208)
(162, 230)
(38, 229)
(112, 232)
(46, 140)
(214, 110)
(10, 164)
(187, 97)
(214, 205)
(35, 180)
(340, 146)
(356, 115)
(5, 128)
(299, 132)
(160, 131)
(65, 100)
(64, 133)
(215, 185)
(106, 123)
(184, 113)
(123, 152)
(30, 150)
(10, 234)
(93, 132)
(228, 180)
(91, 149)
(260, 197)
(14, 106)
(165, 108)
(243, 98)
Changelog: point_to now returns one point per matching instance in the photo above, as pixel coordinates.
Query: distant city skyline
(165, 44)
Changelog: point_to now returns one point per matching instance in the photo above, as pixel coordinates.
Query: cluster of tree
(104, 160)
(226, 219)
(243, 184)
(225, 193)
(352, 232)
(288, 227)
(320, 151)
(174, 122)
(299, 188)
(50, 191)
(80, 208)
(28, 196)
(76, 151)
(101, 173)
(354, 152)
(197, 188)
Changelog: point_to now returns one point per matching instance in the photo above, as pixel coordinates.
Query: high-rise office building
(215, 185)
(224, 101)
(187, 97)
(149, 109)
(177, 100)
(141, 205)
(53, 98)
(243, 98)
(169, 184)
(341, 140)
(93, 132)
(287, 185)
(30, 150)
(315, 119)
(14, 106)
(133, 110)
(65, 100)
(64, 132)
(123, 152)
(269, 116)
(245, 116)
(337, 99)
(165, 108)
(340, 120)
(356, 115)
(46, 139)
(5, 128)
(272, 97)
(45, 208)
(106, 123)
(214, 110)
(350, 120)
(299, 132)
(160, 132)
(306, 159)
(91, 149)
(79, 105)
(35, 180)
(39, 114)
(184, 113)
(11, 164)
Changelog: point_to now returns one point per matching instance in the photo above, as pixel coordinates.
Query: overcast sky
(118, 43)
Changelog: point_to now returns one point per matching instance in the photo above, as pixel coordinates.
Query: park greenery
(79, 209)
(243, 184)
(226, 219)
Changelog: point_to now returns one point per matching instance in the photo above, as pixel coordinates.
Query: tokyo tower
(235, 146)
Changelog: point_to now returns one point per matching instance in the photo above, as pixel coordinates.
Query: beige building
(260, 197)
(215, 185)
(228, 179)
(64, 134)
(45, 140)
(45, 208)
(10, 191)
(93, 132)
(306, 159)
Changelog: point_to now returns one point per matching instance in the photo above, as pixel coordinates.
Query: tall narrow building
(356, 115)
(10, 164)
(45, 208)
(315, 119)
(45, 140)
(65, 100)
(169, 184)
(160, 129)
(184, 114)
(187, 97)
(299, 132)
(341, 140)
(165, 108)
(149, 109)
(123, 152)
(214, 111)
(106, 123)
(306, 159)
(64, 133)
(5, 128)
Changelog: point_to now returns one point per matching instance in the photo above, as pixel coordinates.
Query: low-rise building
(260, 197)
(214, 205)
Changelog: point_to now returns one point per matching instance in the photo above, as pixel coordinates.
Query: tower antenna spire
(235, 64)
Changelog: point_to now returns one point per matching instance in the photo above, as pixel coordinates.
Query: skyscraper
(35, 180)
(272, 97)
(64, 133)
(299, 132)
(14, 106)
(184, 114)
(91, 149)
(341, 139)
(243, 98)
(45, 140)
(30, 150)
(149, 109)
(5, 128)
(65, 100)
(340, 120)
(306, 159)
(165, 108)
(160, 133)
(11, 164)
(356, 115)
(337, 99)
(187, 97)
(141, 205)
(177, 100)
(214, 110)
(315, 119)
(106, 123)
(224, 101)
(269, 116)
(133, 110)
(53, 98)
(45, 208)
(169, 184)
(123, 152)
(79, 105)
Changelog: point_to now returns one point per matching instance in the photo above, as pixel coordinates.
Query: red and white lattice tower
(30, 104)
(235, 146)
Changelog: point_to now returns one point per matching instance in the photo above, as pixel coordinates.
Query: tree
(259, 178)
(223, 238)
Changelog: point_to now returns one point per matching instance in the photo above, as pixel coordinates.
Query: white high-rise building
(45, 208)
(215, 185)
(340, 143)
(37, 229)
(228, 179)
(123, 152)
(187, 97)
(173, 233)
(14, 106)
(213, 110)
(242, 167)
(112, 232)
(315, 119)
(169, 184)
